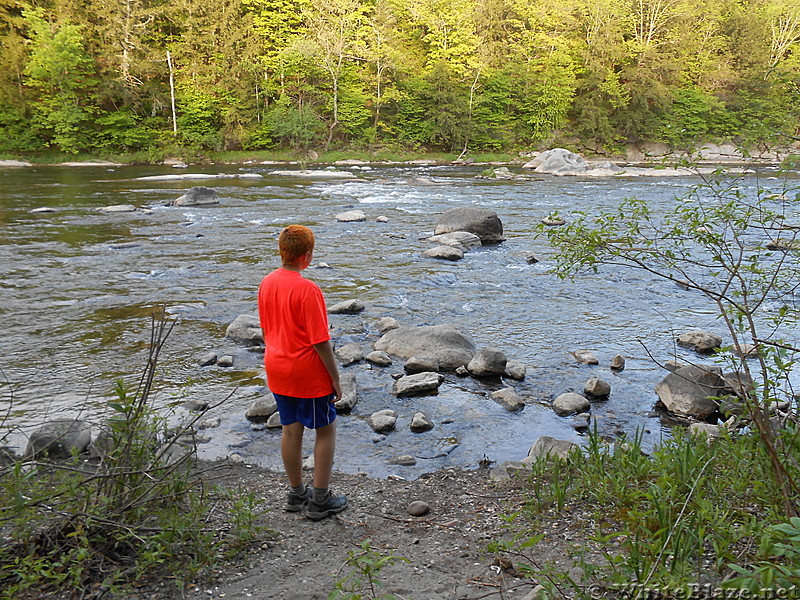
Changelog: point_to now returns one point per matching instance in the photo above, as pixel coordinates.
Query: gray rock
(515, 370)
(462, 371)
(463, 240)
(421, 364)
(531, 258)
(581, 422)
(387, 324)
(547, 446)
(673, 365)
(59, 439)
(480, 221)
(705, 430)
(553, 221)
(349, 354)
(212, 423)
(508, 399)
(349, 385)
(597, 388)
(452, 347)
(379, 358)
(382, 219)
(558, 161)
(688, 391)
(209, 358)
(43, 209)
(195, 405)
(739, 384)
(245, 329)
(383, 421)
(274, 422)
(420, 423)
(746, 350)
(118, 208)
(348, 307)
(444, 253)
(261, 410)
(404, 460)
(570, 404)
(418, 508)
(419, 384)
(488, 362)
(351, 216)
(585, 357)
(225, 361)
(618, 363)
(197, 196)
(700, 341)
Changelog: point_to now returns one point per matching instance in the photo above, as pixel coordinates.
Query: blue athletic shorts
(313, 413)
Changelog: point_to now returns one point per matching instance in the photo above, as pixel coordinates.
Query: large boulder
(488, 362)
(197, 196)
(452, 347)
(558, 161)
(689, 390)
(481, 221)
(60, 438)
(245, 329)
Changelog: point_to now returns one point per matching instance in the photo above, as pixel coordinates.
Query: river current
(79, 285)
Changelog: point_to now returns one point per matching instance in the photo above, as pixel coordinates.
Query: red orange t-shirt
(294, 318)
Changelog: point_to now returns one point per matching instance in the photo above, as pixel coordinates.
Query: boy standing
(301, 371)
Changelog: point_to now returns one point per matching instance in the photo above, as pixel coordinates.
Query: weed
(362, 582)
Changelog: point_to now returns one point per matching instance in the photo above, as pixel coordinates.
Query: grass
(692, 513)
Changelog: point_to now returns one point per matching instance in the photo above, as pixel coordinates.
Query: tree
(62, 73)
(335, 33)
(740, 252)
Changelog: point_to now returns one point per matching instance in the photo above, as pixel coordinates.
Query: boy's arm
(325, 351)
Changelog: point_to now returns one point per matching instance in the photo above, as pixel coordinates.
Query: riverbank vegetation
(139, 512)
(175, 78)
(720, 509)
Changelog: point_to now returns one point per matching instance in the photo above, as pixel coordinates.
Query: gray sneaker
(327, 508)
(297, 502)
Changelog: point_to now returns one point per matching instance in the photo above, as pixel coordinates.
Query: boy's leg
(292, 453)
(324, 449)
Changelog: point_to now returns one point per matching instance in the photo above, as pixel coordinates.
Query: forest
(111, 76)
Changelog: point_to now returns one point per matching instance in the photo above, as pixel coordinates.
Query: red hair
(295, 241)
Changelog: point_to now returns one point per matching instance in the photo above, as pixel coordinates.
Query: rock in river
(480, 221)
(451, 346)
(419, 384)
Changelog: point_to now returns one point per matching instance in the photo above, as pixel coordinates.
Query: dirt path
(446, 549)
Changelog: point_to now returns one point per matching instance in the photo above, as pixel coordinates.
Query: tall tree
(62, 73)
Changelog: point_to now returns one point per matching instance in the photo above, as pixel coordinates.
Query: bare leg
(324, 449)
(292, 452)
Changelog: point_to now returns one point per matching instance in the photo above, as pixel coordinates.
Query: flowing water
(79, 285)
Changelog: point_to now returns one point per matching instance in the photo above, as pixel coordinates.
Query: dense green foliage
(77, 76)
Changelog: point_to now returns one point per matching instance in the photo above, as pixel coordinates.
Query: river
(79, 285)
